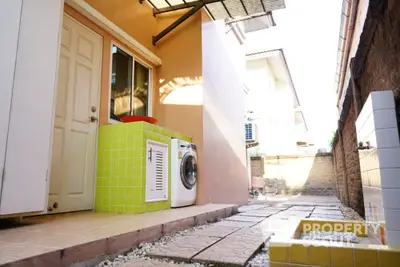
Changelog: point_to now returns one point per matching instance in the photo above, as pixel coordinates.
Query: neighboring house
(368, 59)
(271, 93)
(274, 101)
(68, 67)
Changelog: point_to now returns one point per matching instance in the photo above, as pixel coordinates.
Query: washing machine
(183, 173)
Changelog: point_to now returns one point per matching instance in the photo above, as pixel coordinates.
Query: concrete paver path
(234, 240)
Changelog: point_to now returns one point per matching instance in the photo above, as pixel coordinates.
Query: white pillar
(34, 74)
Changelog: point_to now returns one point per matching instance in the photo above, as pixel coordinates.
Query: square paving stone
(271, 209)
(295, 214)
(329, 217)
(328, 207)
(250, 207)
(184, 248)
(257, 213)
(302, 208)
(235, 224)
(234, 250)
(327, 212)
(215, 231)
(244, 218)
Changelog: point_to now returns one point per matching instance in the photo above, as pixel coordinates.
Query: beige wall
(306, 174)
(178, 92)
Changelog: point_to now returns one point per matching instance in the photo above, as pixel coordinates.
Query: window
(130, 86)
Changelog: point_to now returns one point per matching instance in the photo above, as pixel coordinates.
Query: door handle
(93, 118)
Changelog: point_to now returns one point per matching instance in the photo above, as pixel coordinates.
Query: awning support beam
(183, 6)
(177, 22)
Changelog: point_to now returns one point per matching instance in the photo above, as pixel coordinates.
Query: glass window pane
(141, 92)
(121, 84)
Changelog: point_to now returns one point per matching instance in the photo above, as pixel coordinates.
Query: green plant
(331, 140)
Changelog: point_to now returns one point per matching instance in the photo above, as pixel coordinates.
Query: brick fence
(377, 64)
(313, 175)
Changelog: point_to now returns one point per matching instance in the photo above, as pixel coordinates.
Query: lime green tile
(114, 208)
(139, 143)
(129, 209)
(129, 199)
(129, 190)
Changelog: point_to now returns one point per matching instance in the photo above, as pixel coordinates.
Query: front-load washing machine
(183, 173)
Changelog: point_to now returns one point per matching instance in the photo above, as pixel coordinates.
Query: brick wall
(380, 71)
(257, 166)
(340, 177)
(312, 175)
(355, 194)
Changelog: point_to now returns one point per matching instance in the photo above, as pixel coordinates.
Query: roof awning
(218, 9)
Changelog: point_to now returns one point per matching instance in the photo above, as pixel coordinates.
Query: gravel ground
(330, 236)
(350, 214)
(143, 248)
(261, 259)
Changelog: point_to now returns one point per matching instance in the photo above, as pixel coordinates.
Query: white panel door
(73, 165)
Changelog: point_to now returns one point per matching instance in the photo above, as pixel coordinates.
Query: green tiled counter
(121, 166)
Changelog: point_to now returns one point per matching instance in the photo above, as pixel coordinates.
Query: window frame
(134, 58)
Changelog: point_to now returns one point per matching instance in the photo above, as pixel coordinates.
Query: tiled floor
(75, 236)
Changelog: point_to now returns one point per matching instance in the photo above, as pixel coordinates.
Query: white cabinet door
(25, 184)
(10, 15)
(156, 171)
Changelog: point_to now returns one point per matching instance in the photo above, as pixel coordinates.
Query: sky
(310, 30)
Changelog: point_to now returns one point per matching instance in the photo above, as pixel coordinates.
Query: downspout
(346, 38)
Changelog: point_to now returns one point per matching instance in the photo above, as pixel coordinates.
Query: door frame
(64, 14)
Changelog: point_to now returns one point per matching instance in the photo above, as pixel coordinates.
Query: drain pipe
(345, 41)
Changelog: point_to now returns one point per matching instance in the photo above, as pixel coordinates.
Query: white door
(72, 178)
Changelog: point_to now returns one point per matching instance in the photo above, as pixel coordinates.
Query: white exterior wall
(380, 165)
(223, 115)
(272, 103)
(33, 73)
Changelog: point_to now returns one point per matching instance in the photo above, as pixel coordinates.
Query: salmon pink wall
(179, 104)
(134, 18)
(179, 94)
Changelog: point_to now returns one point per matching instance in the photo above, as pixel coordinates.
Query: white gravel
(261, 259)
(144, 248)
(330, 236)
(350, 214)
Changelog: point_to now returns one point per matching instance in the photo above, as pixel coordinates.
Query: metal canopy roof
(218, 9)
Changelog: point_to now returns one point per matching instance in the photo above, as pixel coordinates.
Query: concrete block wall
(380, 164)
(306, 174)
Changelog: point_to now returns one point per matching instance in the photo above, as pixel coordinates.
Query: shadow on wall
(225, 166)
(304, 174)
(221, 147)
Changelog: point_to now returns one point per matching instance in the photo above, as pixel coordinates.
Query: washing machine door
(189, 170)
